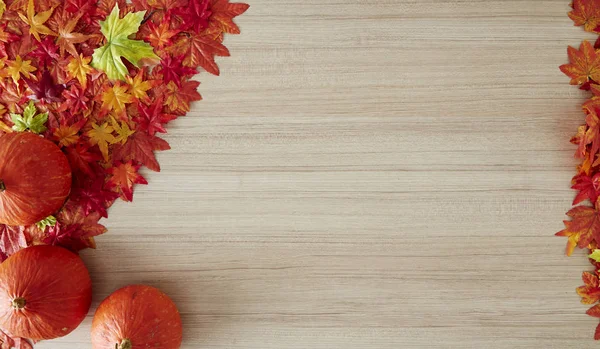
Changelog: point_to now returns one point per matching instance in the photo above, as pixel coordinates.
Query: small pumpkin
(136, 317)
(45, 292)
(35, 178)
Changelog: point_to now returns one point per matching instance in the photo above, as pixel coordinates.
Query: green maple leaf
(595, 255)
(29, 120)
(49, 221)
(108, 58)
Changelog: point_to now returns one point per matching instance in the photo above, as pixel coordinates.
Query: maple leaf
(151, 118)
(592, 134)
(178, 99)
(588, 187)
(590, 292)
(45, 52)
(138, 86)
(13, 95)
(222, 16)
(195, 15)
(124, 176)
(81, 159)
(75, 100)
(586, 13)
(584, 226)
(79, 68)
(45, 89)
(108, 57)
(595, 312)
(67, 38)
(2, 7)
(580, 140)
(75, 231)
(160, 36)
(584, 65)
(122, 129)
(173, 70)
(94, 197)
(12, 239)
(115, 98)
(573, 238)
(11, 342)
(102, 137)
(164, 5)
(200, 50)
(68, 135)
(140, 147)
(30, 120)
(36, 21)
(19, 67)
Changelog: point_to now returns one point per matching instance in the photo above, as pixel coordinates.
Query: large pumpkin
(35, 178)
(45, 292)
(137, 317)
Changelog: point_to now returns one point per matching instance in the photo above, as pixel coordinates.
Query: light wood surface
(367, 174)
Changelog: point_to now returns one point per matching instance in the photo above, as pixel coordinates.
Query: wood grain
(367, 174)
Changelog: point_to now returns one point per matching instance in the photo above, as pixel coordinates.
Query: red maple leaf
(74, 230)
(81, 159)
(195, 15)
(178, 99)
(45, 52)
(75, 100)
(588, 187)
(173, 69)
(123, 177)
(584, 226)
(93, 197)
(140, 148)
(45, 89)
(151, 118)
(222, 16)
(200, 50)
(12, 239)
(590, 292)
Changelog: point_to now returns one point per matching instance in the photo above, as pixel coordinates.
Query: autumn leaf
(94, 198)
(586, 13)
(151, 118)
(68, 135)
(78, 68)
(75, 230)
(115, 98)
(122, 129)
(45, 52)
(75, 100)
(590, 292)
(139, 86)
(124, 176)
(12, 239)
(200, 50)
(45, 89)
(222, 16)
(19, 67)
(584, 226)
(36, 21)
(195, 15)
(102, 137)
(584, 66)
(588, 187)
(178, 99)
(108, 57)
(140, 147)
(160, 35)
(173, 70)
(81, 159)
(67, 38)
(30, 120)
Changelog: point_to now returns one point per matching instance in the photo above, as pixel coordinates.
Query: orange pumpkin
(137, 317)
(45, 292)
(35, 178)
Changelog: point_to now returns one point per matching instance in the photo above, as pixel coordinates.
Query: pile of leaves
(583, 228)
(102, 79)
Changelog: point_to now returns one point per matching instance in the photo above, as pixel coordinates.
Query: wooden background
(367, 174)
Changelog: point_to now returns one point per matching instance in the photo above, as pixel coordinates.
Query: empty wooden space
(367, 174)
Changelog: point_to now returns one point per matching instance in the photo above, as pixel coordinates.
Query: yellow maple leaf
(36, 22)
(78, 68)
(123, 130)
(2, 7)
(138, 87)
(101, 136)
(67, 135)
(115, 98)
(19, 67)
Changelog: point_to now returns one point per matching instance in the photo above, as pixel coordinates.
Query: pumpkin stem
(19, 303)
(125, 344)
(2, 186)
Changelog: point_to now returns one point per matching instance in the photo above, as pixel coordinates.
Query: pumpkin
(35, 178)
(136, 317)
(45, 292)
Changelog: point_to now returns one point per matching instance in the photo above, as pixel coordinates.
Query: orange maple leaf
(590, 292)
(115, 98)
(102, 136)
(178, 99)
(583, 228)
(124, 176)
(584, 66)
(222, 16)
(200, 50)
(67, 38)
(36, 21)
(587, 14)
